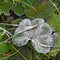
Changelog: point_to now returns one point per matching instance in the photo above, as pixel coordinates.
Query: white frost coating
(45, 39)
(19, 29)
(20, 41)
(44, 29)
(39, 48)
(23, 38)
(37, 21)
(25, 22)
(40, 36)
(43, 43)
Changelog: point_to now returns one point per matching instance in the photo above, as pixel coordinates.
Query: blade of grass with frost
(29, 5)
(28, 28)
(31, 27)
(7, 35)
(9, 24)
(5, 31)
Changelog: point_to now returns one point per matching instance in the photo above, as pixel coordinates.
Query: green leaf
(29, 2)
(8, 1)
(1, 0)
(43, 11)
(28, 5)
(4, 7)
(1, 37)
(53, 52)
(4, 48)
(56, 46)
(18, 9)
(26, 52)
(54, 21)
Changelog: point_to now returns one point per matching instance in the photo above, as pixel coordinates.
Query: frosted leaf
(39, 48)
(37, 21)
(21, 39)
(45, 40)
(43, 43)
(22, 25)
(25, 22)
(20, 28)
(44, 29)
(40, 35)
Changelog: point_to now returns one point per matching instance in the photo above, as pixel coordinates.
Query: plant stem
(54, 5)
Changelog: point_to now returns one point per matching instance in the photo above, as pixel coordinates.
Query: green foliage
(18, 9)
(18, 6)
(1, 37)
(56, 42)
(26, 52)
(43, 11)
(1, 0)
(53, 53)
(56, 46)
(56, 0)
(30, 2)
(4, 48)
(33, 9)
(4, 8)
(54, 21)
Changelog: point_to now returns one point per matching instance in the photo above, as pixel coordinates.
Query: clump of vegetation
(26, 21)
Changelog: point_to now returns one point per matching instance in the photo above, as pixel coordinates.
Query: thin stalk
(28, 5)
(9, 24)
(54, 5)
(13, 1)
